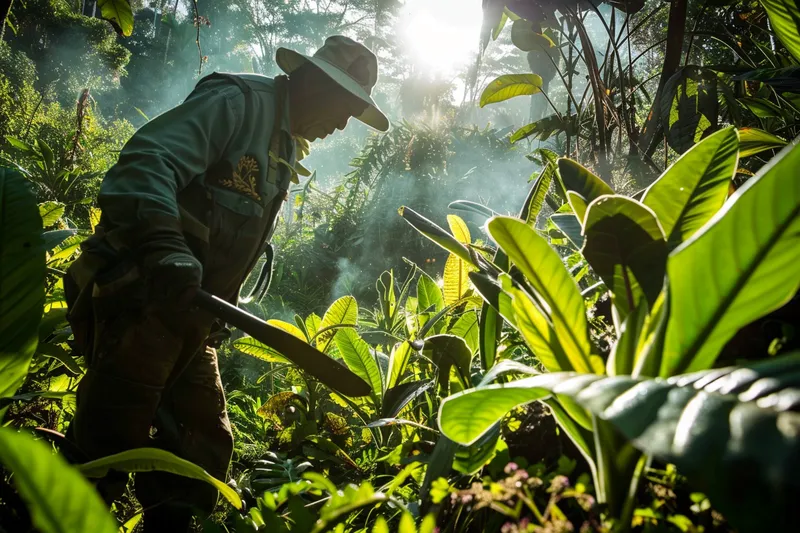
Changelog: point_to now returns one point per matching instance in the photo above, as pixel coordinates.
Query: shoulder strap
(275, 138)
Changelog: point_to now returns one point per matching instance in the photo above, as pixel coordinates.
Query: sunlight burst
(441, 35)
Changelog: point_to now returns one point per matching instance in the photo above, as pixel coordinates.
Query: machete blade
(328, 371)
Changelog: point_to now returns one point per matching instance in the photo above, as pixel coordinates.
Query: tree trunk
(676, 28)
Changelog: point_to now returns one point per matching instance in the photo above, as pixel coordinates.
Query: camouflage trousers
(153, 381)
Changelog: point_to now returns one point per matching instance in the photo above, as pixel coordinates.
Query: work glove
(173, 274)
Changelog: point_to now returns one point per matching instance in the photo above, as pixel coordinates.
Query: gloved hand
(173, 275)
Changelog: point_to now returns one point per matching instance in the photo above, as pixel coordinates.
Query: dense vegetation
(609, 344)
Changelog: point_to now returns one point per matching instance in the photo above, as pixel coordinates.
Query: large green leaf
(689, 106)
(753, 141)
(625, 246)
(342, 311)
(446, 352)
(466, 327)
(527, 35)
(429, 295)
(492, 292)
(398, 361)
(688, 194)
(622, 360)
(548, 276)
(784, 15)
(258, 349)
(119, 14)
(154, 459)
(535, 200)
(509, 86)
(490, 329)
(761, 107)
(459, 229)
(731, 431)
(576, 178)
(570, 226)
(397, 398)
(470, 459)
(739, 267)
(538, 332)
(22, 269)
(358, 358)
(51, 212)
(59, 499)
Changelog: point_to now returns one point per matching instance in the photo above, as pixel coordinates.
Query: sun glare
(440, 35)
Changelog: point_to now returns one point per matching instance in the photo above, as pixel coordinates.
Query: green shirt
(218, 137)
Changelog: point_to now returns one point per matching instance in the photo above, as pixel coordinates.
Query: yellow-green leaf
(342, 311)
(456, 279)
(155, 459)
(509, 86)
(553, 283)
(459, 229)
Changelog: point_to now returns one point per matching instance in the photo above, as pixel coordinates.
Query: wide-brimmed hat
(350, 64)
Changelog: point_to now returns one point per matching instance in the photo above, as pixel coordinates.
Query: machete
(306, 357)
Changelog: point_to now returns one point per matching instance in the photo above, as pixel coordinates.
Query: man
(192, 202)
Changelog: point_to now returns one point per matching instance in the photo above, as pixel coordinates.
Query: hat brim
(289, 61)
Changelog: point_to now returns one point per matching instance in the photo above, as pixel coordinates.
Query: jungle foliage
(620, 354)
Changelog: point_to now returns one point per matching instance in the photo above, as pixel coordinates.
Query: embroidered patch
(244, 178)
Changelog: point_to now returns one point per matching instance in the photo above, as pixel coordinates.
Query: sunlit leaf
(740, 266)
(575, 177)
(94, 217)
(250, 346)
(538, 332)
(288, 328)
(535, 200)
(543, 268)
(689, 106)
(459, 229)
(51, 212)
(398, 361)
(429, 295)
(59, 499)
(342, 311)
(509, 86)
(784, 16)
(313, 323)
(625, 246)
(694, 188)
(154, 459)
(754, 141)
(466, 327)
(622, 359)
(760, 107)
(119, 14)
(456, 279)
(358, 358)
